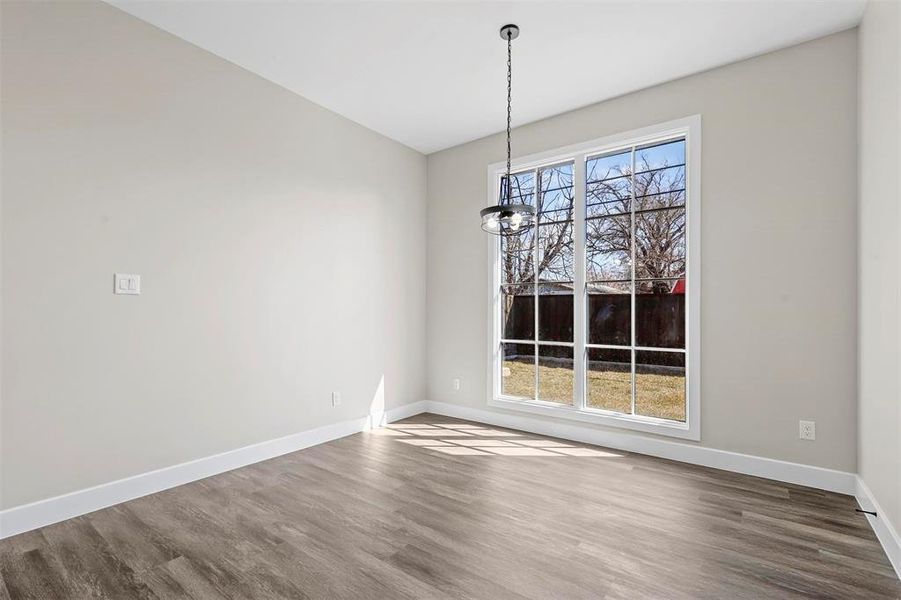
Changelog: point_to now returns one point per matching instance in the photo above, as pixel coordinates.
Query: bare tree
(554, 237)
(659, 230)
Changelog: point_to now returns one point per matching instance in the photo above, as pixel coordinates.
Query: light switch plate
(127, 283)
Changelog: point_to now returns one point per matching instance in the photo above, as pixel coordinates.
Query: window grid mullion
(558, 344)
(634, 355)
(580, 200)
(639, 348)
(535, 275)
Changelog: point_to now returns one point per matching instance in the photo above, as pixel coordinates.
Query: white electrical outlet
(336, 398)
(808, 430)
(456, 383)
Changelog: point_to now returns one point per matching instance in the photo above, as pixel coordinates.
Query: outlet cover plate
(807, 430)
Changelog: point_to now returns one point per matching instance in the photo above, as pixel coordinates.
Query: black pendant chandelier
(508, 218)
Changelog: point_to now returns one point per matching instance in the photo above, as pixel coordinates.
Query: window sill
(644, 424)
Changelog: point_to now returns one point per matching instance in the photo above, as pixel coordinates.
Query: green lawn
(656, 395)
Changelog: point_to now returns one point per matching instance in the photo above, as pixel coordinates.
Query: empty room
(527, 300)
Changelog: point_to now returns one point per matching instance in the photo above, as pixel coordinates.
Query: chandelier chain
(509, 105)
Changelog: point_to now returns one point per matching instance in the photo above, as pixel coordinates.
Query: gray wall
(880, 278)
(778, 225)
(256, 220)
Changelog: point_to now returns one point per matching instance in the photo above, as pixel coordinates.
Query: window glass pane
(609, 197)
(608, 248)
(518, 370)
(555, 202)
(675, 198)
(555, 252)
(656, 156)
(522, 189)
(661, 188)
(660, 313)
(517, 267)
(610, 379)
(555, 312)
(660, 385)
(555, 217)
(660, 244)
(522, 242)
(556, 177)
(555, 374)
(608, 266)
(609, 313)
(607, 167)
(557, 205)
(518, 312)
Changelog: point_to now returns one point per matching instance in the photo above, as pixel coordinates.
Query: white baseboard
(778, 470)
(887, 534)
(52, 510)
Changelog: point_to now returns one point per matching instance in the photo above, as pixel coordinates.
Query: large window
(595, 306)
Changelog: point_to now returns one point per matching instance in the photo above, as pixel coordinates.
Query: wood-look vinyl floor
(439, 508)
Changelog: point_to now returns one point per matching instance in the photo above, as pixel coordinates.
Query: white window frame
(690, 129)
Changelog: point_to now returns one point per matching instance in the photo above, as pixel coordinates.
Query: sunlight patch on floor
(543, 443)
(464, 439)
(422, 442)
(485, 443)
(459, 450)
(437, 432)
(522, 451)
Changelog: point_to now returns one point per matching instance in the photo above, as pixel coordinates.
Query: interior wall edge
(883, 528)
(879, 264)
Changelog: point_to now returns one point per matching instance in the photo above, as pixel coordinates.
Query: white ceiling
(432, 74)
